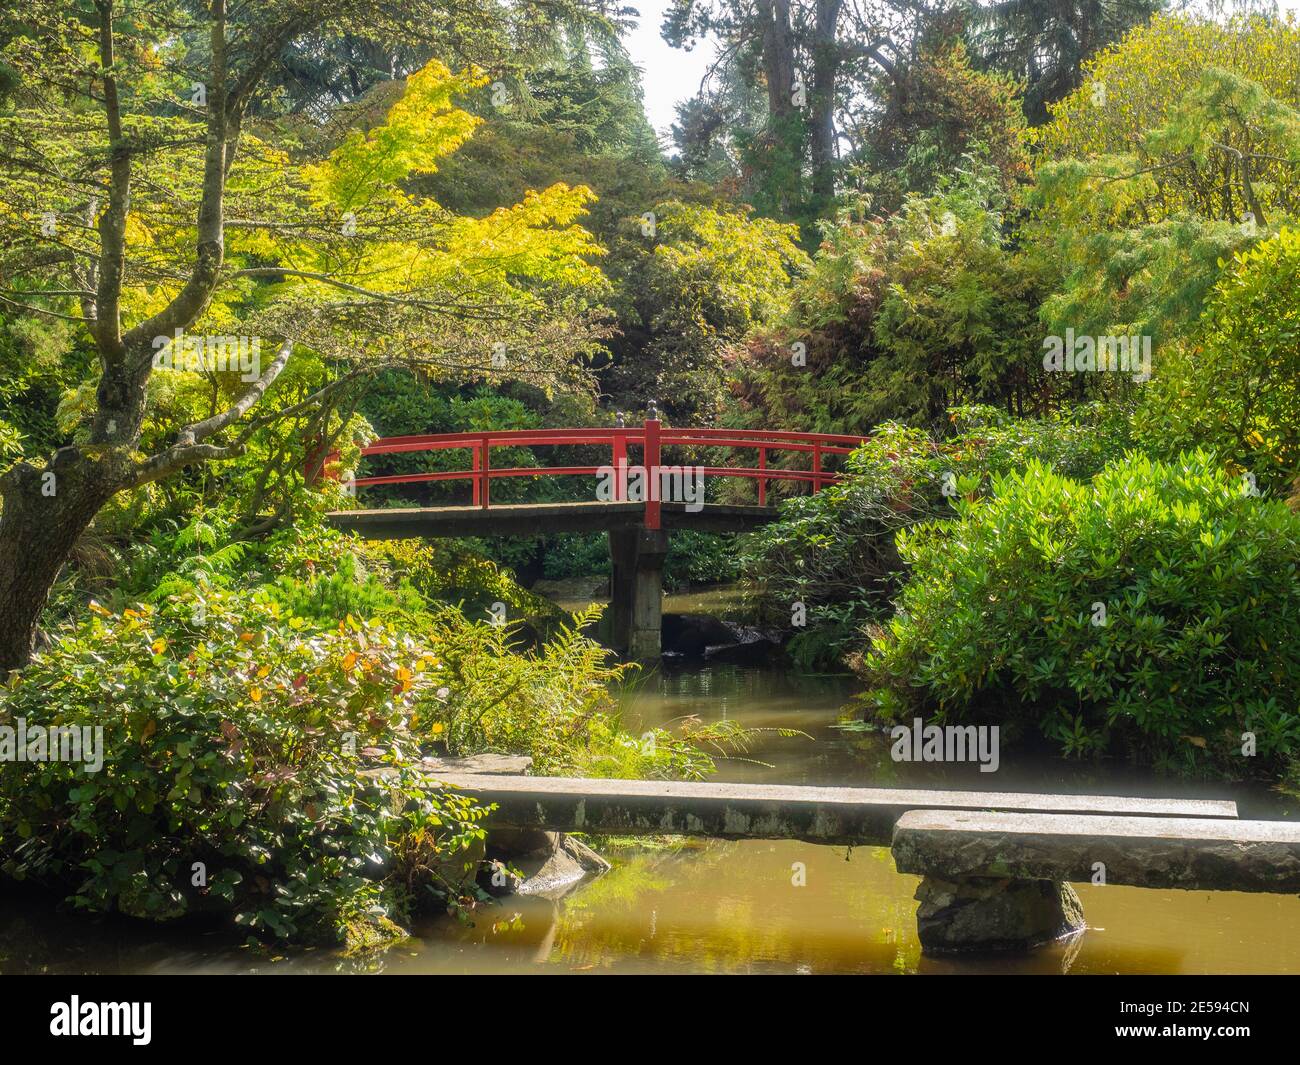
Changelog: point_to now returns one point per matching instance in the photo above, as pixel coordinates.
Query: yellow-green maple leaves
(421, 127)
(537, 241)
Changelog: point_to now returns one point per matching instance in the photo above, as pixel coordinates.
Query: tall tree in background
(806, 58)
(1181, 149)
(802, 86)
(348, 59)
(925, 125)
(1045, 42)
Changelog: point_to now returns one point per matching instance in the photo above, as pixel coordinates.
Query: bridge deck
(534, 519)
(856, 816)
(1192, 853)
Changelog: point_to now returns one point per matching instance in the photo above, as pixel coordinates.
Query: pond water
(732, 907)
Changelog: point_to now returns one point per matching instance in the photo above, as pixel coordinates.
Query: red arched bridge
(638, 496)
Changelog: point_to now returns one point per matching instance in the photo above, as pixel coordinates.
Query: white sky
(670, 76)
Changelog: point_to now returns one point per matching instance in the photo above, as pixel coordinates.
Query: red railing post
(652, 481)
(762, 481)
(476, 464)
(817, 465)
(485, 465)
(618, 450)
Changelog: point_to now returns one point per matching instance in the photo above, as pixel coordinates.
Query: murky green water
(733, 907)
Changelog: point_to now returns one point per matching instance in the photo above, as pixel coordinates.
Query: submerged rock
(552, 863)
(690, 635)
(748, 646)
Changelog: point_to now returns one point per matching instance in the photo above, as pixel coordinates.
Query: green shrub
(1237, 388)
(700, 558)
(1075, 443)
(557, 705)
(244, 737)
(1155, 610)
(11, 442)
(234, 736)
(834, 551)
(575, 555)
(836, 548)
(449, 572)
(331, 595)
(320, 574)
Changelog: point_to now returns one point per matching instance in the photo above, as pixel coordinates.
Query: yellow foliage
(1140, 84)
(423, 126)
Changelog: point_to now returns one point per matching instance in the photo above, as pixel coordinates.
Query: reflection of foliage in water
(588, 938)
(722, 906)
(634, 876)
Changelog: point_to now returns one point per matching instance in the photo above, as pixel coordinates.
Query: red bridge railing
(650, 438)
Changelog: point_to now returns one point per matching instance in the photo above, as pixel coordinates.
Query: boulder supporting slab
(984, 914)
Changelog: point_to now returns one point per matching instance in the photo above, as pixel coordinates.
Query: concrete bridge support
(636, 590)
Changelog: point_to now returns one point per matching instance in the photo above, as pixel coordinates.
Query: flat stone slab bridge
(996, 866)
(637, 504)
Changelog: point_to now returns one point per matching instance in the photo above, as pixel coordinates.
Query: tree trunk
(783, 138)
(825, 71)
(44, 513)
(778, 58)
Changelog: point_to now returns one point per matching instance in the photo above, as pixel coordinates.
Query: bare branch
(197, 431)
(168, 462)
(41, 310)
